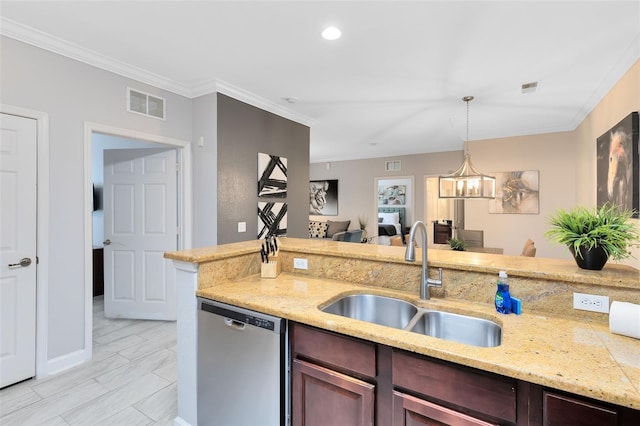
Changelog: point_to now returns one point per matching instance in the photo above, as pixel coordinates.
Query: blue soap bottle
(503, 298)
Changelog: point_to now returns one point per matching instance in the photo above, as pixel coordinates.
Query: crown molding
(62, 47)
(624, 64)
(247, 97)
(40, 39)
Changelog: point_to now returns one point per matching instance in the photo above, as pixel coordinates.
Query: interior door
(17, 249)
(140, 224)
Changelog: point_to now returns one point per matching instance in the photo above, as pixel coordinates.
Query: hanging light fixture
(467, 182)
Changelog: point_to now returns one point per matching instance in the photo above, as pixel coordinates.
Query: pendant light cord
(467, 99)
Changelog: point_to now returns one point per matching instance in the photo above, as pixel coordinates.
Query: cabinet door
(324, 397)
(561, 410)
(412, 411)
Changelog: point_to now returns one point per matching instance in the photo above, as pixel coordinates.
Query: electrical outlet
(300, 263)
(591, 302)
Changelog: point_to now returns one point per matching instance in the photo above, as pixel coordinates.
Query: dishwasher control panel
(255, 319)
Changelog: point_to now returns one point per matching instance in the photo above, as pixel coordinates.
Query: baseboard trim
(67, 361)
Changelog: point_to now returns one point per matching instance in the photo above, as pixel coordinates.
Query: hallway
(130, 380)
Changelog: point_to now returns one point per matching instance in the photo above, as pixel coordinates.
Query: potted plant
(595, 235)
(457, 244)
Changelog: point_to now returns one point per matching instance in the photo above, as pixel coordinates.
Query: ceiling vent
(143, 103)
(530, 87)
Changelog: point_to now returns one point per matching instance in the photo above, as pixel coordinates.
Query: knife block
(271, 269)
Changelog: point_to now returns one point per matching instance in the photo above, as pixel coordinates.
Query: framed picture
(393, 195)
(617, 165)
(516, 193)
(272, 176)
(272, 219)
(323, 197)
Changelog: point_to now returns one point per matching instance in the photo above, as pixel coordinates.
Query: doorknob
(25, 261)
(107, 242)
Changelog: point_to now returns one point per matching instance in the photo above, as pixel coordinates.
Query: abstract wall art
(272, 219)
(516, 193)
(617, 165)
(272, 176)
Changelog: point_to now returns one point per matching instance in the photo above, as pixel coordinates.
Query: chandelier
(467, 182)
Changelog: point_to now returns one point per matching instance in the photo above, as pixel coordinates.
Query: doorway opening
(443, 216)
(97, 138)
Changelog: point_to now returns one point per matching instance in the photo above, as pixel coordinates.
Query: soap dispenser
(503, 298)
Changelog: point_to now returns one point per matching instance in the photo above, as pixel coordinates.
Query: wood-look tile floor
(131, 380)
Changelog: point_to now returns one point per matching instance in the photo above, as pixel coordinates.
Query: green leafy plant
(457, 244)
(607, 227)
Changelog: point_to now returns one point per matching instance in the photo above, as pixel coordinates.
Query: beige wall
(566, 162)
(623, 98)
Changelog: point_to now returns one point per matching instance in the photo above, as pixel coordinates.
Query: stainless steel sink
(459, 328)
(375, 309)
(403, 315)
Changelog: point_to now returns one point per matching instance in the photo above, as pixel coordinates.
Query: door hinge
(177, 167)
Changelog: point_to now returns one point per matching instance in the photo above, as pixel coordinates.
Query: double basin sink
(403, 315)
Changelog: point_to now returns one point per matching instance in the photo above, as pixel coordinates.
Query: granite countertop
(575, 355)
(581, 357)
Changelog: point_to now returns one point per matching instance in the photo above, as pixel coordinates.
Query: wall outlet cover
(591, 302)
(300, 263)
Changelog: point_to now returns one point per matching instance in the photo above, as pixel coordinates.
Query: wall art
(272, 219)
(395, 195)
(516, 193)
(617, 165)
(323, 197)
(272, 176)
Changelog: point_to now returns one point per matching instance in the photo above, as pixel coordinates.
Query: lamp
(467, 182)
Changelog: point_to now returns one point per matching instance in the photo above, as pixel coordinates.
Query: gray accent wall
(243, 132)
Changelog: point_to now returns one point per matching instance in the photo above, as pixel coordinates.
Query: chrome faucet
(410, 256)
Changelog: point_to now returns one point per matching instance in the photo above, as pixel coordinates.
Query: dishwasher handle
(236, 325)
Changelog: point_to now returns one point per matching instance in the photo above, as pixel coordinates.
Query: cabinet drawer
(563, 410)
(340, 352)
(411, 411)
(457, 386)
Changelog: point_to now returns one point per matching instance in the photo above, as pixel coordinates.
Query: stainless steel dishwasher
(243, 361)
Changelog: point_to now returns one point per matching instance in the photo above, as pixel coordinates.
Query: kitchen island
(549, 345)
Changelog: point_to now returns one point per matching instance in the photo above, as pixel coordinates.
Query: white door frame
(184, 205)
(42, 236)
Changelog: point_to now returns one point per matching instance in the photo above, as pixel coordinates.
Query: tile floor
(131, 380)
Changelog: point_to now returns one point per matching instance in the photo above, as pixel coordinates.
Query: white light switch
(242, 226)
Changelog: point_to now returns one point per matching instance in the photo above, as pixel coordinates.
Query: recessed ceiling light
(331, 33)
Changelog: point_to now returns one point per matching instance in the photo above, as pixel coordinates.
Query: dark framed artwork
(272, 176)
(618, 165)
(517, 192)
(272, 219)
(323, 197)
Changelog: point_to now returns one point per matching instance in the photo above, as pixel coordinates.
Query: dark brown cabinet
(411, 411)
(340, 380)
(441, 233)
(332, 379)
(326, 397)
(561, 410)
(460, 389)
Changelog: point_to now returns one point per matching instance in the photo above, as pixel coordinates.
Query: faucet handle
(438, 282)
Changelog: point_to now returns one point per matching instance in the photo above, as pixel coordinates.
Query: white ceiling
(392, 85)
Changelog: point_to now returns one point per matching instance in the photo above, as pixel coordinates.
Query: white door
(17, 249)
(140, 224)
